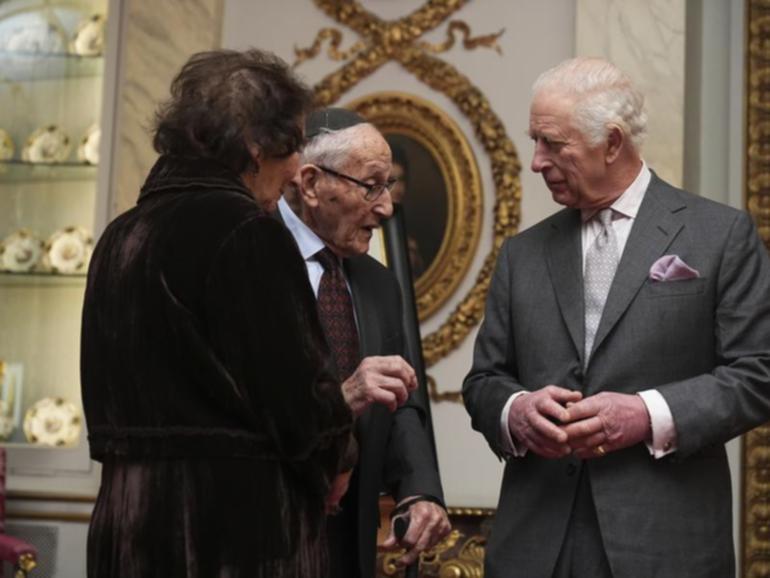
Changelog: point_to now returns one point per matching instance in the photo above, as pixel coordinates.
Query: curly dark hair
(223, 101)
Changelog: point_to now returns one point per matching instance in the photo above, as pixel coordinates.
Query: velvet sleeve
(263, 322)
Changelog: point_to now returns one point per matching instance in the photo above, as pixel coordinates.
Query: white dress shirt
(625, 208)
(309, 243)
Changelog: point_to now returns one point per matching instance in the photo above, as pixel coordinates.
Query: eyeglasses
(373, 191)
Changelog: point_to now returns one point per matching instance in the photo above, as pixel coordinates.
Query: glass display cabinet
(51, 89)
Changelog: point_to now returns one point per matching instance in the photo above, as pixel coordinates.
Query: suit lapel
(657, 225)
(564, 265)
(369, 333)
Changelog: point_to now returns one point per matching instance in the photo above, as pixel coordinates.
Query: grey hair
(604, 95)
(330, 148)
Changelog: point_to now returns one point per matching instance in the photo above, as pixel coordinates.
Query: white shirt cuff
(661, 424)
(509, 446)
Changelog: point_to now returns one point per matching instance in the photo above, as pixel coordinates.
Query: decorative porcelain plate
(53, 421)
(46, 145)
(34, 37)
(6, 146)
(89, 38)
(88, 150)
(20, 252)
(68, 251)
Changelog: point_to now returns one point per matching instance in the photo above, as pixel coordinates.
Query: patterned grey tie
(601, 262)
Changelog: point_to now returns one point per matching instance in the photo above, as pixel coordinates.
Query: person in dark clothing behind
(204, 369)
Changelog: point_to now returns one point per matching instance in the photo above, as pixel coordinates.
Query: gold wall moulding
(435, 150)
(756, 443)
(397, 40)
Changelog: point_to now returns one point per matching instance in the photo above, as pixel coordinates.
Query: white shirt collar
(309, 243)
(629, 202)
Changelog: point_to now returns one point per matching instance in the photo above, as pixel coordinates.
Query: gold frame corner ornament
(423, 122)
(397, 40)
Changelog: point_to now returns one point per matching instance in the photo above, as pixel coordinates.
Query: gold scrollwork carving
(334, 37)
(385, 40)
(437, 395)
(453, 557)
(424, 123)
(469, 42)
(756, 444)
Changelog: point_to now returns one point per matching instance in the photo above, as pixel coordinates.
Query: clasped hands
(554, 422)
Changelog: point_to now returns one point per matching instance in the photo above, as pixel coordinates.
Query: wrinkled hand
(428, 524)
(386, 380)
(606, 422)
(532, 416)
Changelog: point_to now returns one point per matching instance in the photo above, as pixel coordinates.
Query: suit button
(571, 469)
(578, 374)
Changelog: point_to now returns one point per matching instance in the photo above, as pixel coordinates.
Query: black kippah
(330, 119)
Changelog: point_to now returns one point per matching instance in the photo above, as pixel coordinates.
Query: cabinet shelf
(35, 279)
(35, 447)
(22, 171)
(30, 66)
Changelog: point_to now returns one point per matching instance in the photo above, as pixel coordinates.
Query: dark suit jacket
(395, 450)
(703, 343)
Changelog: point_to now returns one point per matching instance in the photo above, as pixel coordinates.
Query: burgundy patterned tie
(335, 308)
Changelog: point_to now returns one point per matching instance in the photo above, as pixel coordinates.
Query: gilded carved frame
(424, 123)
(756, 444)
(398, 40)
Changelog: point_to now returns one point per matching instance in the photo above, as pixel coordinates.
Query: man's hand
(532, 416)
(606, 422)
(428, 523)
(386, 380)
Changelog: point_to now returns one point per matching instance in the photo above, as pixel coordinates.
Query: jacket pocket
(676, 288)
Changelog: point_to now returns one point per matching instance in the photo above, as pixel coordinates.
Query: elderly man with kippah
(343, 187)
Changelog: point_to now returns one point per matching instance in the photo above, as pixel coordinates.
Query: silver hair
(603, 94)
(331, 148)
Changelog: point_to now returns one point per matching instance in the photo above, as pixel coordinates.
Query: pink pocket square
(672, 268)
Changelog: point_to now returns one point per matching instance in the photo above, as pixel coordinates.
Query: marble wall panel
(158, 37)
(647, 40)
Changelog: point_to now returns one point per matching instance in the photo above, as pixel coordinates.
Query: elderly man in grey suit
(626, 339)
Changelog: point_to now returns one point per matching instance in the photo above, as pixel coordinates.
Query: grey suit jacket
(703, 343)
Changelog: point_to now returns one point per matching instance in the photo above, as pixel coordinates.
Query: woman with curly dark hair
(203, 364)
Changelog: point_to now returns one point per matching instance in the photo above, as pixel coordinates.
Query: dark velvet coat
(205, 388)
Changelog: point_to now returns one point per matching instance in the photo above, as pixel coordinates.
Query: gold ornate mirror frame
(399, 40)
(756, 444)
(423, 122)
